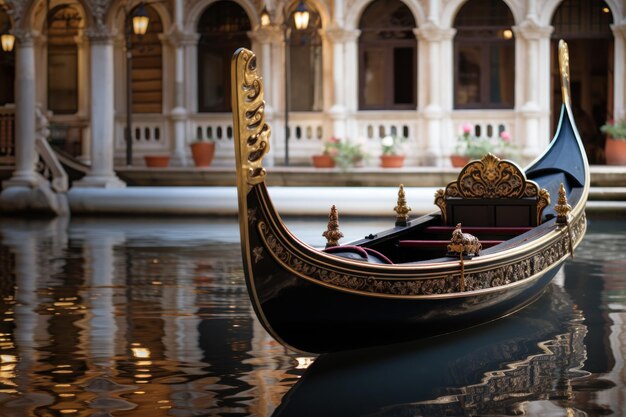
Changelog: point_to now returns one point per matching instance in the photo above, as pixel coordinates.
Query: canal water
(150, 317)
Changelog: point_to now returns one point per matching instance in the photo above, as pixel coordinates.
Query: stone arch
(353, 16)
(320, 7)
(452, 9)
(117, 12)
(39, 14)
(192, 17)
(546, 14)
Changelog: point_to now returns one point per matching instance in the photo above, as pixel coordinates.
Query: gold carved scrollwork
(492, 178)
(251, 132)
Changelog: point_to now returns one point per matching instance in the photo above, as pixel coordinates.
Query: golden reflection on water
(97, 319)
(141, 318)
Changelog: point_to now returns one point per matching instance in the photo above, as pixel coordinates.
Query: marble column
(533, 112)
(179, 114)
(432, 39)
(27, 190)
(101, 174)
(619, 70)
(25, 153)
(339, 111)
(266, 38)
(348, 79)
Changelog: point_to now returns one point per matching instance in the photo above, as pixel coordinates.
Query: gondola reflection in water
(500, 369)
(425, 276)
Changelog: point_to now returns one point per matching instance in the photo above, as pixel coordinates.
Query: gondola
(490, 249)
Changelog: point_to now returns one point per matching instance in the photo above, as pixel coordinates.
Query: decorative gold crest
(492, 178)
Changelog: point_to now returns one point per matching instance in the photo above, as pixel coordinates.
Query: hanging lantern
(265, 17)
(8, 41)
(140, 21)
(301, 17)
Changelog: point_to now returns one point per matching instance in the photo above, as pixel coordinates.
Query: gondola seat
(492, 193)
(359, 253)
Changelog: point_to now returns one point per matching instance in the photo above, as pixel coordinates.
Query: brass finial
(402, 209)
(332, 233)
(463, 244)
(562, 208)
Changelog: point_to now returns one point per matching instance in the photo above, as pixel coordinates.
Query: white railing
(150, 133)
(487, 124)
(308, 130)
(219, 128)
(372, 126)
(306, 137)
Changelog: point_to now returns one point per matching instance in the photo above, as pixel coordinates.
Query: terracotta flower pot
(392, 161)
(459, 161)
(202, 153)
(615, 151)
(323, 161)
(157, 161)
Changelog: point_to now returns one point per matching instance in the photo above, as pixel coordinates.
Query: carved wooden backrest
(492, 179)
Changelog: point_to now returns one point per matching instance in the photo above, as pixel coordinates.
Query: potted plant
(327, 158)
(202, 151)
(349, 154)
(470, 147)
(392, 155)
(341, 153)
(615, 145)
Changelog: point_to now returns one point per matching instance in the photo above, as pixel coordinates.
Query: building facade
(362, 69)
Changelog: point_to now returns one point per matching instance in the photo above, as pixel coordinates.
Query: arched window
(222, 28)
(7, 67)
(387, 57)
(147, 73)
(305, 58)
(64, 23)
(484, 56)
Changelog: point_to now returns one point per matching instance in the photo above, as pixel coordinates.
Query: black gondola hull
(312, 317)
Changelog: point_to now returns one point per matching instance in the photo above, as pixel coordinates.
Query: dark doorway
(584, 25)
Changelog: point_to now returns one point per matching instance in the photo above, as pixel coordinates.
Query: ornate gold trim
(446, 285)
(252, 133)
(492, 178)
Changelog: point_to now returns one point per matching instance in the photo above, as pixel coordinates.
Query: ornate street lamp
(137, 24)
(7, 39)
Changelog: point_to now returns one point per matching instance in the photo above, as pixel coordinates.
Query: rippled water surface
(150, 317)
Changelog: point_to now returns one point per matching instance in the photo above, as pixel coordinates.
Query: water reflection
(150, 317)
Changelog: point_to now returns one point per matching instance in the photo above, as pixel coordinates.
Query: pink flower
(467, 128)
(333, 140)
(506, 136)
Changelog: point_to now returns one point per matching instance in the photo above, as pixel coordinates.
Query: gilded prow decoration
(564, 70)
(253, 133)
(492, 178)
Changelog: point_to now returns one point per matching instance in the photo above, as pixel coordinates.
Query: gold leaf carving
(252, 134)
